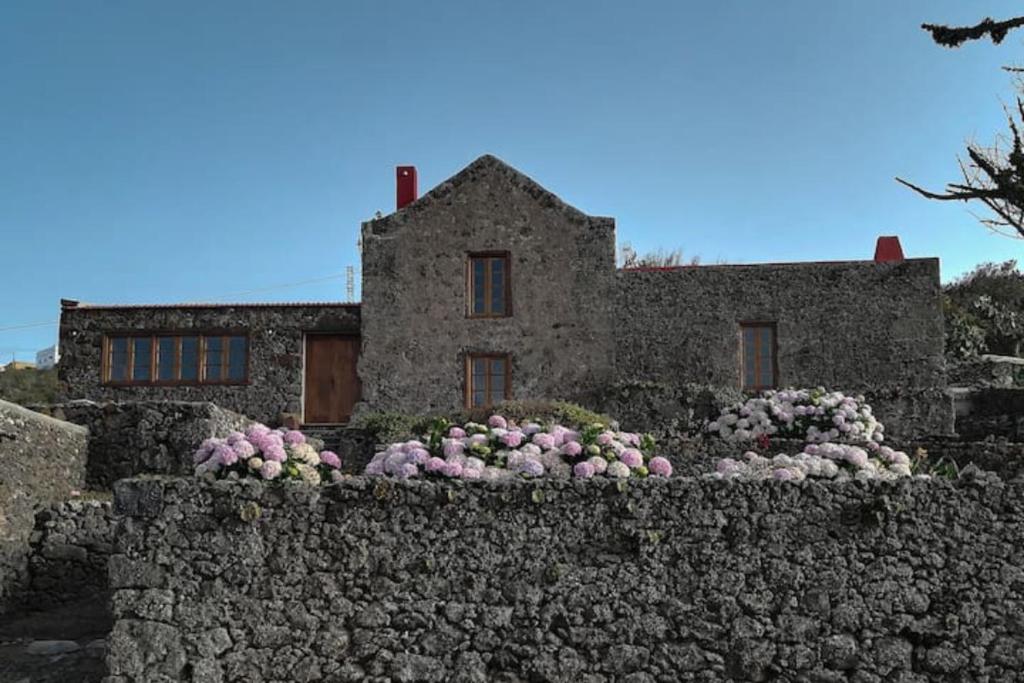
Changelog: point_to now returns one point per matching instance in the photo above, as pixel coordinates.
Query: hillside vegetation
(29, 386)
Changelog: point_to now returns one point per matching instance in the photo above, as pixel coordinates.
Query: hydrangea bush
(813, 415)
(818, 461)
(501, 448)
(268, 454)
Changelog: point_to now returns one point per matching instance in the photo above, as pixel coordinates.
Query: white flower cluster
(814, 415)
(838, 462)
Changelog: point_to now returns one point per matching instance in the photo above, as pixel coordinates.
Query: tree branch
(955, 36)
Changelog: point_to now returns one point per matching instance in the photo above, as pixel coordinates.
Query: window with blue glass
(758, 356)
(489, 285)
(182, 358)
(488, 377)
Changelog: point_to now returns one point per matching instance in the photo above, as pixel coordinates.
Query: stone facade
(276, 351)
(42, 460)
(416, 332)
(676, 579)
(144, 437)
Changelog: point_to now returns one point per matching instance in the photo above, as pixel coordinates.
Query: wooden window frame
(488, 289)
(759, 324)
(154, 351)
(468, 384)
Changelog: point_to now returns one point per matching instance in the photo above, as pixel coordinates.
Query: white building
(47, 358)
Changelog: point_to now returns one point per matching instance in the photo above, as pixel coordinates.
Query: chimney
(888, 249)
(406, 186)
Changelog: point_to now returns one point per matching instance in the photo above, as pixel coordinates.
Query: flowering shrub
(501, 449)
(268, 454)
(814, 415)
(818, 461)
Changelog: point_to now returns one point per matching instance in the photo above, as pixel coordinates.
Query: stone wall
(144, 437)
(276, 351)
(991, 412)
(416, 333)
(42, 460)
(854, 326)
(70, 547)
(681, 579)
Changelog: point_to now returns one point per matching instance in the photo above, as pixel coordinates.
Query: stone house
(489, 287)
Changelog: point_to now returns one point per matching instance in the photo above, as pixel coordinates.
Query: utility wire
(335, 276)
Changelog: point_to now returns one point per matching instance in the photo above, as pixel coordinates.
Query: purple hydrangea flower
(435, 465)
(782, 474)
(419, 456)
(457, 433)
(235, 437)
(274, 453)
(452, 469)
(407, 470)
(225, 454)
(531, 468)
(452, 447)
(374, 468)
(583, 470)
(660, 466)
(243, 449)
(330, 458)
(497, 421)
(572, 448)
(294, 437)
(632, 458)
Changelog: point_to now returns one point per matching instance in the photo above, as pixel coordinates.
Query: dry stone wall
(144, 437)
(660, 580)
(42, 460)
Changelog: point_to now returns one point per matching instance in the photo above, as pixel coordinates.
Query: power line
(335, 276)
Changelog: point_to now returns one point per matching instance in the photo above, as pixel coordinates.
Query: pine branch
(955, 36)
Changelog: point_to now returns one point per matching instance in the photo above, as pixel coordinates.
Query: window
(489, 286)
(488, 379)
(176, 359)
(758, 349)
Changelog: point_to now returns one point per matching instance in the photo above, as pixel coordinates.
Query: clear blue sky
(159, 152)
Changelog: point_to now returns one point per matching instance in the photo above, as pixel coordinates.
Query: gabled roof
(487, 165)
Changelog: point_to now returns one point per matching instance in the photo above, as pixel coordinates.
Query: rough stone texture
(144, 437)
(41, 461)
(416, 333)
(275, 357)
(853, 326)
(661, 580)
(354, 446)
(70, 546)
(662, 408)
(995, 412)
(988, 370)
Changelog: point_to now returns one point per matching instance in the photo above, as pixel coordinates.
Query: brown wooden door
(332, 385)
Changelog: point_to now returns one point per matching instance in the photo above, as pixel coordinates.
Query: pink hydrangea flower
(632, 458)
(472, 472)
(605, 438)
(544, 441)
(419, 456)
(660, 466)
(583, 470)
(225, 454)
(497, 421)
(512, 439)
(271, 469)
(452, 448)
(782, 474)
(330, 458)
(294, 437)
(435, 465)
(235, 437)
(598, 463)
(457, 433)
(572, 448)
(374, 468)
(243, 449)
(274, 453)
(452, 469)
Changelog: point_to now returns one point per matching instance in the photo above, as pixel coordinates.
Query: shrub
(501, 448)
(267, 454)
(813, 415)
(387, 427)
(818, 461)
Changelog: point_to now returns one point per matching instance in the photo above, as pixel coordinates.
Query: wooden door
(332, 385)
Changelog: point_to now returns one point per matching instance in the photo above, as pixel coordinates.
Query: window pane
(479, 367)
(214, 358)
(497, 388)
(165, 352)
(236, 358)
(478, 399)
(119, 359)
(497, 286)
(479, 280)
(190, 358)
(143, 358)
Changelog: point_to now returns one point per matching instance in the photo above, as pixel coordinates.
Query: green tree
(28, 386)
(985, 311)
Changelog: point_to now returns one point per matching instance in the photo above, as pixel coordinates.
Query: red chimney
(888, 250)
(406, 186)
